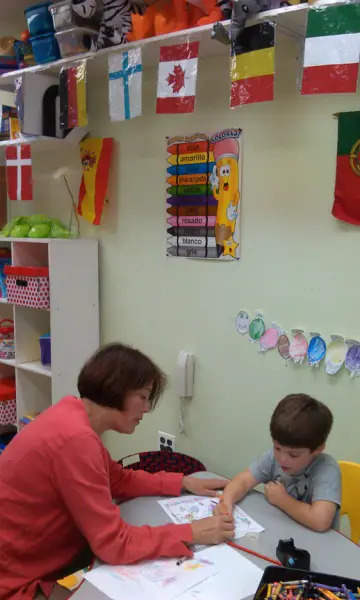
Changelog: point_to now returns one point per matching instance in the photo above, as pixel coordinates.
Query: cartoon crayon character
(225, 189)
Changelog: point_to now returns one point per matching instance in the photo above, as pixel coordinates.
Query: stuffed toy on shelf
(115, 21)
(166, 16)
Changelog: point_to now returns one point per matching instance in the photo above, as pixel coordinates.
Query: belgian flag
(253, 65)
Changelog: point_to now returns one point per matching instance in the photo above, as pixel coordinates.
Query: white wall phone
(184, 381)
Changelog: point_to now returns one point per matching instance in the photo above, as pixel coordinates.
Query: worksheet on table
(186, 509)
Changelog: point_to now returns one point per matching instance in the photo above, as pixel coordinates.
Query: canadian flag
(177, 78)
(19, 172)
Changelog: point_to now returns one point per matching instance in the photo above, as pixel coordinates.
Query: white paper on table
(186, 509)
(238, 577)
(161, 579)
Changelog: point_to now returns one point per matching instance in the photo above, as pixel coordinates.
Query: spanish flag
(253, 66)
(72, 91)
(96, 156)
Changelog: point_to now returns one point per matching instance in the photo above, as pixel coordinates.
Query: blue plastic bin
(45, 349)
(45, 48)
(39, 19)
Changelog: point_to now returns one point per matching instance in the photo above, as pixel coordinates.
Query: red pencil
(262, 556)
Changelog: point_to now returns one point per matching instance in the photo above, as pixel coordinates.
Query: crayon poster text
(203, 195)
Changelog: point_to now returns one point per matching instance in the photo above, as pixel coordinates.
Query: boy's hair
(116, 370)
(300, 421)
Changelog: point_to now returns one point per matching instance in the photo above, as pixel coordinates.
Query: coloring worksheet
(160, 579)
(187, 509)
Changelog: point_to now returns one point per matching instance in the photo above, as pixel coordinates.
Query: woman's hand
(213, 530)
(203, 487)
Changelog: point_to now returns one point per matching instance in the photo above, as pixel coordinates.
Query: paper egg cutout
(256, 328)
(298, 347)
(269, 339)
(284, 346)
(335, 355)
(352, 359)
(316, 350)
(242, 322)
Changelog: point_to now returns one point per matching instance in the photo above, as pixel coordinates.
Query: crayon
(189, 147)
(192, 210)
(276, 591)
(190, 221)
(187, 252)
(190, 159)
(192, 231)
(181, 560)
(198, 179)
(191, 169)
(189, 190)
(192, 200)
(195, 242)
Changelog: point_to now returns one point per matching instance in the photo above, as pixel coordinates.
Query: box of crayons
(280, 583)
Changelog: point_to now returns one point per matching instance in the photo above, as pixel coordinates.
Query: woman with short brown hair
(57, 482)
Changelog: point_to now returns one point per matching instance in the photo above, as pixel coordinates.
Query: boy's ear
(318, 450)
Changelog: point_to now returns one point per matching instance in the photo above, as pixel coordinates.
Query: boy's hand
(223, 507)
(275, 493)
(203, 487)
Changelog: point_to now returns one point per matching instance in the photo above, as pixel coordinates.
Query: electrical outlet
(166, 441)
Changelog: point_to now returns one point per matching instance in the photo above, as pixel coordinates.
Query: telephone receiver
(185, 374)
(184, 382)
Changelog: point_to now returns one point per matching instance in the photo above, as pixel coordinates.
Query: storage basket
(28, 286)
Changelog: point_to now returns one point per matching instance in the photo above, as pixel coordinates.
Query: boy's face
(294, 460)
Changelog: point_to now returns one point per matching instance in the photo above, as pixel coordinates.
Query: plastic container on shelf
(75, 41)
(28, 286)
(7, 340)
(45, 349)
(39, 19)
(7, 401)
(45, 48)
(5, 259)
(64, 17)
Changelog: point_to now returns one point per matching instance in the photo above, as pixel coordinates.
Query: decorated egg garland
(296, 347)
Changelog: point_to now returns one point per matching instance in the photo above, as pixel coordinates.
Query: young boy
(300, 479)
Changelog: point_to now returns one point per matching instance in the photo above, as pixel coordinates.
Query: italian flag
(332, 49)
(347, 188)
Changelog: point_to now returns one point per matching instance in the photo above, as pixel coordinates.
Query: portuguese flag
(347, 188)
(332, 49)
(252, 68)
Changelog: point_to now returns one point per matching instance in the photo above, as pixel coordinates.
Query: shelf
(41, 142)
(30, 240)
(8, 361)
(291, 21)
(35, 366)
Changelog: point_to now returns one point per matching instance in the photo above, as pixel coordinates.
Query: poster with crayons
(203, 189)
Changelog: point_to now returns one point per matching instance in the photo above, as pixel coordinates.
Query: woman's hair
(114, 371)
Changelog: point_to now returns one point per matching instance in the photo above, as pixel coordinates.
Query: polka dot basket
(28, 286)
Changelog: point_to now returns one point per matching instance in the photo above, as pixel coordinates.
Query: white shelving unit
(73, 320)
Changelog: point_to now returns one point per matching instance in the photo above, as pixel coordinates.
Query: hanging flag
(96, 156)
(72, 90)
(252, 70)
(346, 205)
(19, 172)
(125, 85)
(177, 78)
(332, 49)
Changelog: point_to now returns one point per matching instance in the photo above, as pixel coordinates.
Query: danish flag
(19, 172)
